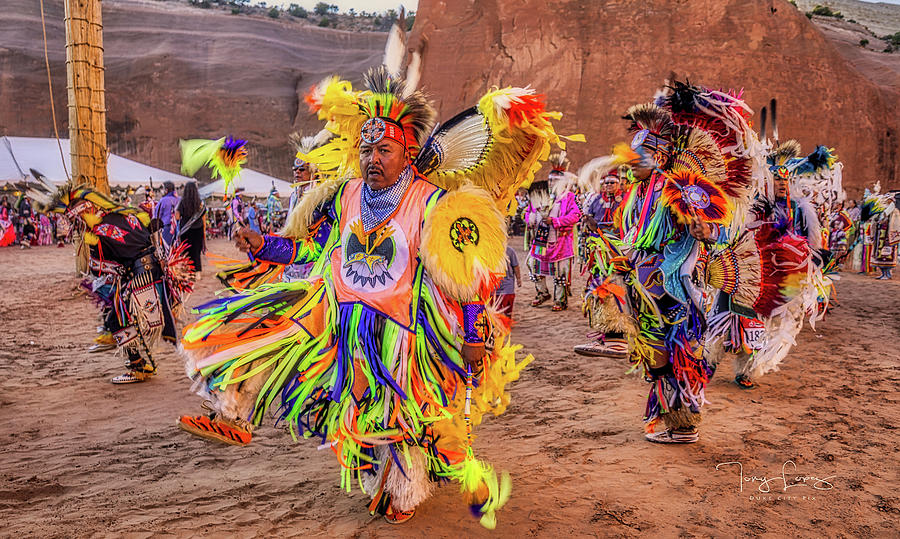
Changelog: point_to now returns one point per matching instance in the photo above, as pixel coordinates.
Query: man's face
(381, 163)
(609, 186)
(302, 173)
(781, 187)
(641, 171)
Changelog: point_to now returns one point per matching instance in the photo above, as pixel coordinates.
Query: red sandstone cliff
(175, 71)
(594, 59)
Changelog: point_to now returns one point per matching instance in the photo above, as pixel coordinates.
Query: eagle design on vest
(369, 255)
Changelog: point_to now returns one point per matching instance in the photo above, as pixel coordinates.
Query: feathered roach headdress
(558, 161)
(304, 145)
(784, 159)
(822, 158)
(818, 177)
(393, 112)
(387, 108)
(873, 206)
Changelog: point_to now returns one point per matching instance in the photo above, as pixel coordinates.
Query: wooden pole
(85, 84)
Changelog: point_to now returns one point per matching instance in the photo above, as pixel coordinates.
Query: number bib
(754, 333)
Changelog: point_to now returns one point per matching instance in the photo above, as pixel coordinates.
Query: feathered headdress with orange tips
(386, 108)
(389, 100)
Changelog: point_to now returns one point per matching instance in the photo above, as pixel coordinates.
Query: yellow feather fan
(464, 235)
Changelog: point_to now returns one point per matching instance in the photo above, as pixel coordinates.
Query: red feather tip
(531, 107)
(313, 99)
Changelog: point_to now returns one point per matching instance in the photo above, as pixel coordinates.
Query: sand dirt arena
(80, 457)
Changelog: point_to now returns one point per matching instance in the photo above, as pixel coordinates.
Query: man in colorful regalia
(136, 291)
(691, 159)
(840, 226)
(380, 353)
(662, 238)
(305, 178)
(551, 217)
(779, 216)
(886, 238)
(273, 210)
(602, 219)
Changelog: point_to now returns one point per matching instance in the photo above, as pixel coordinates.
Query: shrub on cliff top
(825, 11)
(893, 39)
(297, 11)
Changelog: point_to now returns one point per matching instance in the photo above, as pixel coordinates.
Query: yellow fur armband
(464, 242)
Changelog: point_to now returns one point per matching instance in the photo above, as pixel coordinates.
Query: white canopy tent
(253, 183)
(21, 157)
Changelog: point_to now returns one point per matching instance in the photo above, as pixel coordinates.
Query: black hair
(190, 201)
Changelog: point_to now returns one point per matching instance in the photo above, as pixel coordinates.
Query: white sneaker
(673, 437)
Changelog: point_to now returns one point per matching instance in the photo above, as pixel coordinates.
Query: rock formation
(173, 72)
(594, 59)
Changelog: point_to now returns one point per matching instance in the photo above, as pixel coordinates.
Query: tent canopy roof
(254, 184)
(19, 155)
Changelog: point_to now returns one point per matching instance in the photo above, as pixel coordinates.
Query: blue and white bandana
(376, 206)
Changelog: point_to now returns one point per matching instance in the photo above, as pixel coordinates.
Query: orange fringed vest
(377, 267)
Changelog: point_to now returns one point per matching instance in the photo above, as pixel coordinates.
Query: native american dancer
(305, 178)
(886, 237)
(551, 217)
(677, 205)
(602, 218)
(380, 353)
(692, 158)
(671, 212)
(137, 292)
(273, 209)
(841, 229)
(786, 218)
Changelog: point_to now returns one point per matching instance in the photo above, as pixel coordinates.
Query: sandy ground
(81, 457)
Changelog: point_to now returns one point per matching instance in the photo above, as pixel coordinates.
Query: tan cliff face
(594, 59)
(173, 72)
